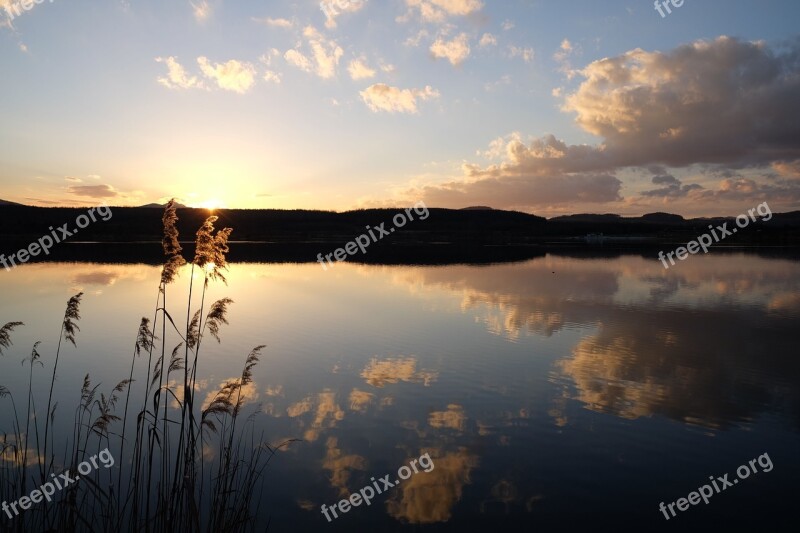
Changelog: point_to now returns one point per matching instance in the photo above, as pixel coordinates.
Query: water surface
(555, 393)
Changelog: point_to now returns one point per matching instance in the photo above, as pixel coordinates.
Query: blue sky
(539, 106)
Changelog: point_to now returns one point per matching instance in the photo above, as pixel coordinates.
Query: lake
(560, 393)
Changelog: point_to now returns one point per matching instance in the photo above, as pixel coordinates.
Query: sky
(542, 106)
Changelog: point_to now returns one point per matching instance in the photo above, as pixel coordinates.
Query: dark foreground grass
(180, 465)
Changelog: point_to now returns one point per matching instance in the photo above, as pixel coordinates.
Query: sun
(212, 204)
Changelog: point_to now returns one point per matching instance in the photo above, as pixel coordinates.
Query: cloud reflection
(427, 498)
(706, 343)
(394, 370)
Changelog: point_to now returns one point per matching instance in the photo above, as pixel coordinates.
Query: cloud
(543, 173)
(722, 101)
(272, 76)
(505, 79)
(297, 59)
(562, 57)
(437, 11)
(564, 50)
(455, 51)
(176, 77)
(672, 187)
(266, 59)
(93, 191)
(359, 69)
(724, 106)
(787, 168)
(201, 10)
(334, 9)
(520, 192)
(323, 54)
(55, 202)
(507, 25)
(415, 40)
(236, 76)
(275, 23)
(382, 97)
(487, 39)
(525, 53)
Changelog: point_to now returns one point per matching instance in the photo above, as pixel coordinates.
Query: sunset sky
(547, 107)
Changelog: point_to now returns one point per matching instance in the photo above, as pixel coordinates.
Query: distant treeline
(469, 227)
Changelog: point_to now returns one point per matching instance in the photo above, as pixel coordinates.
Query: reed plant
(182, 465)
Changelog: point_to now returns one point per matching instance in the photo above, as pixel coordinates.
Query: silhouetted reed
(182, 466)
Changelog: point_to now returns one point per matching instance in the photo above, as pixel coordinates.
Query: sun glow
(212, 204)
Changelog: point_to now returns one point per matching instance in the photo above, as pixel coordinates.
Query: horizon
(545, 109)
(153, 205)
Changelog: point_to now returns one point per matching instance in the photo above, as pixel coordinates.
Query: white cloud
(437, 11)
(382, 97)
(336, 8)
(455, 51)
(525, 53)
(323, 57)
(562, 57)
(267, 57)
(176, 77)
(359, 69)
(487, 39)
(494, 85)
(416, 39)
(272, 77)
(201, 10)
(507, 25)
(233, 75)
(297, 59)
(276, 23)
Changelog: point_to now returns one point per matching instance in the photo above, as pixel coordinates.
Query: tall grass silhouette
(182, 466)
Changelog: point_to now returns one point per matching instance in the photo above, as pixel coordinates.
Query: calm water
(557, 394)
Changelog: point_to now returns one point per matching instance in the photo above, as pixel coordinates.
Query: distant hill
(132, 224)
(4, 202)
(586, 217)
(477, 208)
(161, 206)
(655, 218)
(326, 230)
(663, 218)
